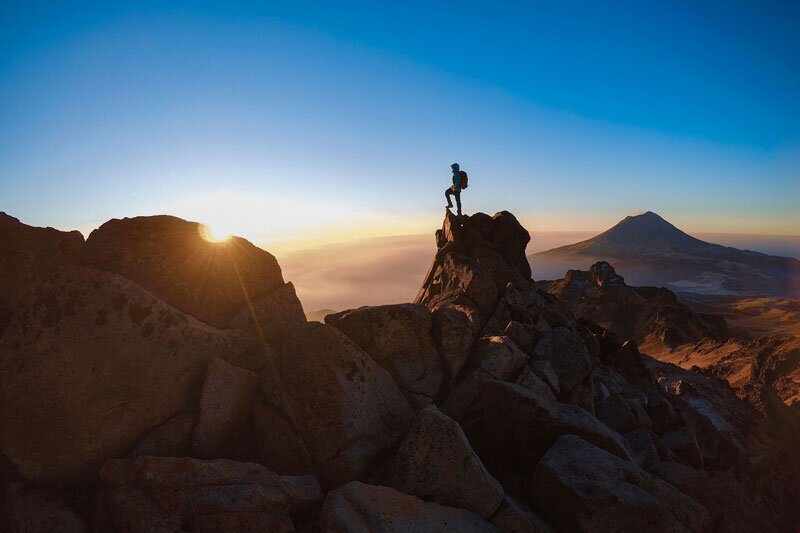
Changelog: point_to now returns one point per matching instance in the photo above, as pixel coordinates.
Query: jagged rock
(524, 335)
(643, 447)
(397, 337)
(528, 379)
(454, 331)
(520, 426)
(627, 361)
(730, 507)
(651, 316)
(27, 252)
(357, 507)
(345, 408)
(511, 240)
(170, 439)
(567, 352)
(616, 413)
(214, 281)
(545, 370)
(493, 358)
(513, 517)
(69, 400)
(683, 444)
(34, 510)
(458, 280)
(580, 487)
(173, 494)
(225, 407)
(436, 462)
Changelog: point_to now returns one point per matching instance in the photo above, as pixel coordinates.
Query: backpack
(464, 179)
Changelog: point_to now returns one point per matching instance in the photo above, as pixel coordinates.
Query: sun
(212, 234)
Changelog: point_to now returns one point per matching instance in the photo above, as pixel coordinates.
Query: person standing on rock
(459, 182)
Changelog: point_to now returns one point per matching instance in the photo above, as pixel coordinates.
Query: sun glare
(214, 235)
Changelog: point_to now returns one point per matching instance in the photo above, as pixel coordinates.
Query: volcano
(649, 250)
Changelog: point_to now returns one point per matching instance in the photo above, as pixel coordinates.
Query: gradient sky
(299, 122)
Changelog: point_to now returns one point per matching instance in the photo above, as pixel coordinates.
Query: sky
(299, 125)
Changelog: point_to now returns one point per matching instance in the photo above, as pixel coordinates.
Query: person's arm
(457, 181)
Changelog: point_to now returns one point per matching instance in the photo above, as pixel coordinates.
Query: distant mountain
(650, 251)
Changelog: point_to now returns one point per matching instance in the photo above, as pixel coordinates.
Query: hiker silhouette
(459, 182)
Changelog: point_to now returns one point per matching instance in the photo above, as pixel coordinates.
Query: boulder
(643, 447)
(493, 358)
(731, 508)
(524, 335)
(683, 444)
(528, 379)
(225, 406)
(514, 517)
(278, 441)
(170, 439)
(511, 239)
(580, 487)
(627, 361)
(454, 331)
(357, 507)
(616, 413)
(566, 351)
(28, 252)
(170, 257)
(343, 406)
(147, 494)
(35, 510)
(436, 462)
(398, 338)
(545, 370)
(521, 425)
(89, 363)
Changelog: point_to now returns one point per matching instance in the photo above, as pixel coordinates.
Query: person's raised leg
(447, 192)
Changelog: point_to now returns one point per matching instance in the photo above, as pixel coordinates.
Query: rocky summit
(151, 380)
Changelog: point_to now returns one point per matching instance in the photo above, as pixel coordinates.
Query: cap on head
(454, 166)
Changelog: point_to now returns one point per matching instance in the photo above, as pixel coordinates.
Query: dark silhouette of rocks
(648, 315)
(217, 282)
(141, 393)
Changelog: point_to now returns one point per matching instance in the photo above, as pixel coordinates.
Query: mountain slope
(650, 250)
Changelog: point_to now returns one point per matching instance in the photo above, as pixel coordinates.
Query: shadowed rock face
(90, 362)
(358, 507)
(336, 401)
(211, 280)
(27, 252)
(644, 314)
(397, 337)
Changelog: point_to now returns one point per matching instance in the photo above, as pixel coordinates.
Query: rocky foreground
(153, 381)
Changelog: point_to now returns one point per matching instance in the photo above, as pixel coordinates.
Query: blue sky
(298, 121)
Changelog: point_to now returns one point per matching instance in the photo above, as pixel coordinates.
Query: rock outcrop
(91, 361)
(221, 283)
(398, 338)
(344, 408)
(651, 316)
(147, 494)
(486, 405)
(580, 487)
